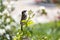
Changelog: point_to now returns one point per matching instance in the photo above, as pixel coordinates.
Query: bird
(23, 17)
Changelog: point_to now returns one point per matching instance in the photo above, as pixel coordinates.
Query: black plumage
(23, 17)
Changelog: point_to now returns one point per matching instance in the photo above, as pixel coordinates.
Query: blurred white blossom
(8, 27)
(5, 11)
(5, 3)
(7, 36)
(8, 20)
(9, 8)
(0, 21)
(2, 31)
(12, 2)
(0, 13)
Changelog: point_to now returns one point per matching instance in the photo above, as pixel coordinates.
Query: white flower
(3, 18)
(9, 8)
(2, 31)
(7, 36)
(5, 3)
(6, 12)
(0, 13)
(8, 27)
(0, 21)
(8, 20)
(12, 2)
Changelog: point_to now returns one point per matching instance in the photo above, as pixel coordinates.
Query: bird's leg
(21, 27)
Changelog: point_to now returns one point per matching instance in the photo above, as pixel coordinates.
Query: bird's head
(24, 11)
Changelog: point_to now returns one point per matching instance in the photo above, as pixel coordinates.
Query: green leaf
(30, 12)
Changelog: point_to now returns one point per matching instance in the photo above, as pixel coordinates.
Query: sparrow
(23, 17)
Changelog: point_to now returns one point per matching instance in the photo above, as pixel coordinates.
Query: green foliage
(26, 33)
(46, 31)
(2, 7)
(30, 12)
